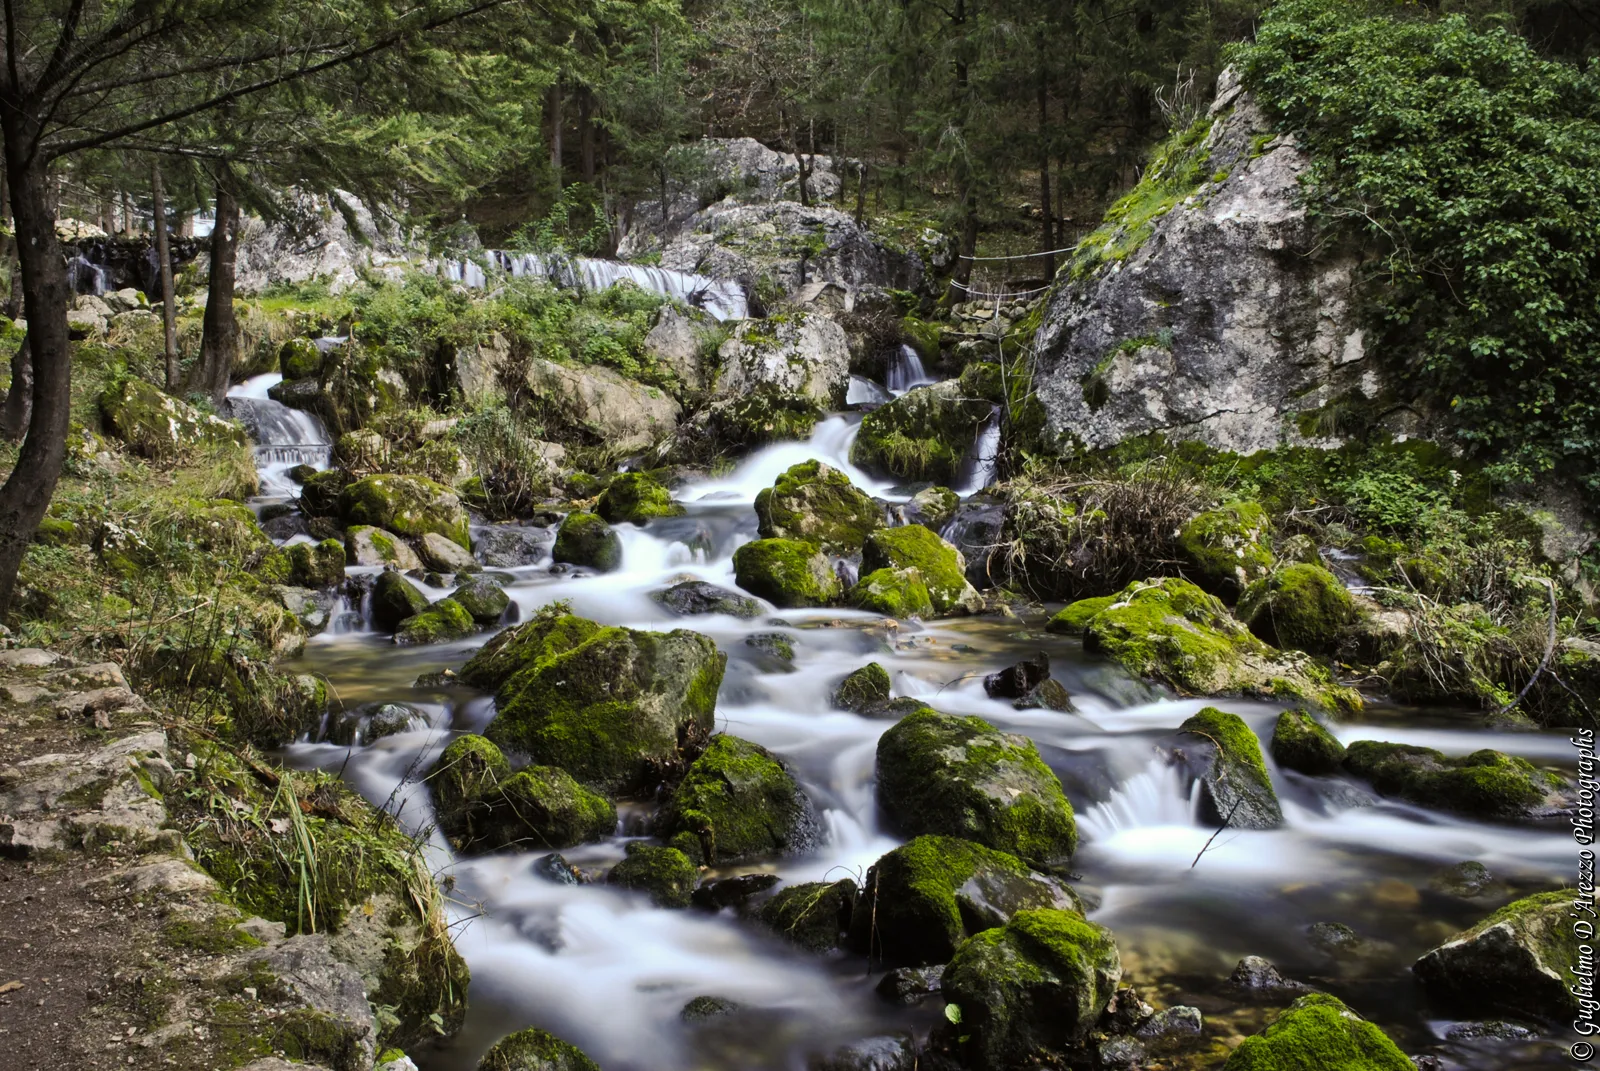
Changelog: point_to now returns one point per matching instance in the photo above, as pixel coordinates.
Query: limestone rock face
(1224, 325)
(800, 353)
(322, 237)
(610, 407)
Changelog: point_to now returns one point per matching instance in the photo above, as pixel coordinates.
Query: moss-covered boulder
(1303, 744)
(814, 915)
(739, 802)
(1316, 1032)
(1484, 784)
(441, 621)
(896, 593)
(319, 492)
(157, 425)
(1299, 606)
(484, 599)
(1073, 619)
(316, 565)
(692, 597)
(817, 504)
(634, 498)
(933, 506)
(299, 358)
(666, 874)
(788, 573)
(366, 545)
(1228, 548)
(540, 807)
(862, 688)
(586, 539)
(922, 435)
(406, 505)
(923, 899)
(394, 599)
(1518, 961)
(962, 777)
(619, 709)
(1219, 750)
(764, 415)
(464, 771)
(1029, 993)
(939, 564)
(535, 1050)
(1171, 630)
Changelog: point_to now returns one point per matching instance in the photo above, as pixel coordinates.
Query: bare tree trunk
(186, 225)
(19, 399)
(861, 191)
(164, 263)
(219, 343)
(586, 131)
(961, 275)
(555, 133)
(26, 493)
(127, 214)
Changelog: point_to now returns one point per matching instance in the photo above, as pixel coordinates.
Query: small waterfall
(85, 276)
(982, 460)
(722, 298)
(284, 437)
(865, 392)
(905, 371)
(1155, 796)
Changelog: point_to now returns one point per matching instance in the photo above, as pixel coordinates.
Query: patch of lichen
(1299, 606)
(667, 874)
(786, 572)
(1319, 1031)
(634, 497)
(1486, 783)
(740, 802)
(814, 502)
(937, 562)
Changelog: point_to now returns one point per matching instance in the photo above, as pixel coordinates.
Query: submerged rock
(1518, 961)
(776, 645)
(1030, 991)
(740, 802)
(587, 540)
(1319, 1031)
(1219, 750)
(635, 498)
(731, 892)
(699, 1009)
(924, 898)
(1301, 743)
(373, 721)
(698, 597)
(406, 505)
(817, 504)
(1228, 548)
(862, 688)
(939, 565)
(535, 1050)
(787, 573)
(889, 1052)
(666, 874)
(960, 776)
(814, 915)
(1484, 784)
(1299, 606)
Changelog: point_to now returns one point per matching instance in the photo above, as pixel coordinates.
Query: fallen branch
(1207, 845)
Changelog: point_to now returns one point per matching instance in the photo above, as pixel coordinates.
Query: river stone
(887, 1052)
(1301, 743)
(319, 492)
(624, 414)
(776, 645)
(862, 688)
(1515, 962)
(441, 621)
(666, 874)
(1319, 1031)
(731, 892)
(584, 539)
(1299, 606)
(504, 546)
(740, 802)
(910, 985)
(960, 776)
(698, 597)
(464, 771)
(897, 593)
(1219, 750)
(800, 353)
(1029, 992)
(635, 498)
(617, 708)
(406, 505)
(818, 504)
(924, 898)
(439, 553)
(814, 915)
(941, 566)
(537, 807)
(157, 425)
(535, 1050)
(1228, 548)
(1257, 976)
(394, 599)
(482, 598)
(786, 572)
(922, 435)
(373, 721)
(1484, 784)
(366, 545)
(316, 565)
(1028, 685)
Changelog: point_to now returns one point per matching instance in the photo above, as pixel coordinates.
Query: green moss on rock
(1221, 751)
(406, 505)
(395, 599)
(299, 358)
(157, 425)
(813, 915)
(484, 599)
(818, 504)
(316, 565)
(862, 688)
(788, 573)
(538, 808)
(586, 539)
(464, 771)
(1228, 548)
(939, 563)
(960, 776)
(892, 592)
(764, 415)
(1301, 743)
(441, 621)
(634, 498)
(1299, 606)
(1518, 961)
(535, 1050)
(1316, 1033)
(922, 435)
(1484, 784)
(1074, 618)
(668, 875)
(741, 803)
(319, 494)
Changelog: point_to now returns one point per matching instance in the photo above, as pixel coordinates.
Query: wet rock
(1219, 750)
(1516, 962)
(941, 566)
(1029, 685)
(1319, 1031)
(801, 353)
(555, 869)
(441, 621)
(931, 507)
(699, 597)
(895, 1052)
(814, 915)
(1465, 880)
(786, 572)
(157, 425)
(1301, 743)
(1122, 1052)
(319, 492)
(538, 806)
(439, 553)
(817, 504)
(775, 644)
(584, 539)
(977, 529)
(316, 565)
(1259, 977)
(897, 593)
(366, 545)
(922, 435)
(373, 721)
(1497, 1030)
(635, 498)
(731, 892)
(1029, 991)
(1125, 1011)
(924, 898)
(739, 801)
(1484, 784)
(483, 599)
(1299, 606)
(406, 505)
(508, 547)
(911, 985)
(395, 599)
(1334, 939)
(959, 776)
(862, 688)
(665, 873)
(615, 707)
(535, 1050)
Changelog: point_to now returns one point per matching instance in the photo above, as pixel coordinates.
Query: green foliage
(1472, 165)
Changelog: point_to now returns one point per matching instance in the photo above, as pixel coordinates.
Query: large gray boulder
(317, 237)
(681, 340)
(798, 353)
(604, 404)
(1224, 324)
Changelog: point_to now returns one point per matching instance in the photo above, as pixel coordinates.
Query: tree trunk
(861, 191)
(219, 341)
(164, 264)
(27, 490)
(1046, 209)
(586, 132)
(961, 275)
(555, 133)
(19, 399)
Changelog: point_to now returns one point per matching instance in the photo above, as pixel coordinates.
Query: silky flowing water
(607, 971)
